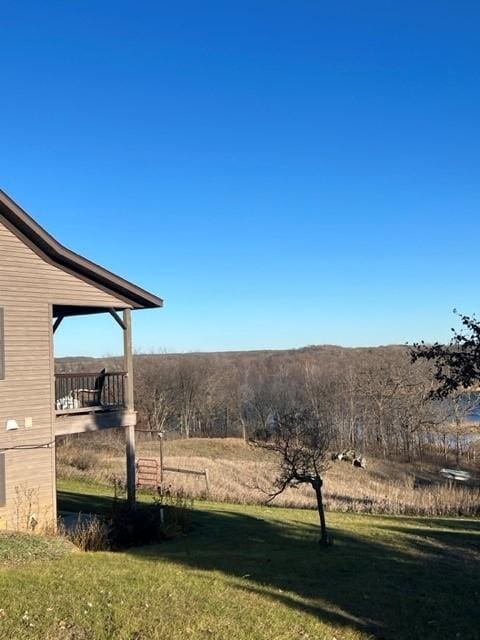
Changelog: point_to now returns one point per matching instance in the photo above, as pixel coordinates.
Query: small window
(3, 493)
(2, 347)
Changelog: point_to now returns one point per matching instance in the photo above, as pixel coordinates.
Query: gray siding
(28, 288)
(2, 347)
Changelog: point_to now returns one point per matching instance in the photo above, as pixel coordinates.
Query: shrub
(177, 509)
(83, 460)
(90, 534)
(165, 517)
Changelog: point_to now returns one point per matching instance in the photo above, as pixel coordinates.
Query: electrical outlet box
(28, 422)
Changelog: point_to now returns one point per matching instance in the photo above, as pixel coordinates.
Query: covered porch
(85, 401)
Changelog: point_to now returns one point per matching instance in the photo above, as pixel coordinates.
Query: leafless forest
(377, 401)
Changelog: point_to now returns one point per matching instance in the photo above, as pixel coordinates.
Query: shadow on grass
(83, 503)
(400, 578)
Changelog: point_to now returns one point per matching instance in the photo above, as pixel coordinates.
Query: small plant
(177, 508)
(88, 534)
(165, 517)
(25, 508)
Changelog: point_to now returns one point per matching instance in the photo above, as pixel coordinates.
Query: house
(42, 284)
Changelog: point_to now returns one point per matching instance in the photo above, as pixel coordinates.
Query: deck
(91, 402)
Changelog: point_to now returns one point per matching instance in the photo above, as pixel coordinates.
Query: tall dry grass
(87, 533)
(243, 474)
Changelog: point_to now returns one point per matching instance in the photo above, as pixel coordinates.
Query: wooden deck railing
(77, 392)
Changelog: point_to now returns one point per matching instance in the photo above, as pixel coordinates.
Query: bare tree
(379, 403)
(301, 439)
(459, 424)
(187, 389)
(154, 395)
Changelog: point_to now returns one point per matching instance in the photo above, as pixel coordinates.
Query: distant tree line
(377, 400)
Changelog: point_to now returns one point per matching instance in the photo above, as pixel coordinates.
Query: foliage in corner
(457, 364)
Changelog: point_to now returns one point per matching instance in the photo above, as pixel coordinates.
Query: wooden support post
(160, 438)
(131, 471)
(130, 430)
(128, 358)
(207, 483)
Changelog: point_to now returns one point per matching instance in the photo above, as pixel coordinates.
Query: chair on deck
(92, 397)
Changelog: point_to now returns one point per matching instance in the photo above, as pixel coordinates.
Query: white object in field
(28, 423)
(455, 474)
(11, 424)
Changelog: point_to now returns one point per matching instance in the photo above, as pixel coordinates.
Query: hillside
(242, 473)
(327, 353)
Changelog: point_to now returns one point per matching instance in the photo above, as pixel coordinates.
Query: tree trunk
(317, 485)
(244, 430)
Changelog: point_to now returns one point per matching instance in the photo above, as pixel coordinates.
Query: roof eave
(135, 296)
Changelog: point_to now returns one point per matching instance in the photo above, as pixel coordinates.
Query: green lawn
(17, 549)
(256, 572)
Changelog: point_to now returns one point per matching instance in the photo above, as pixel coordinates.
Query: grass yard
(17, 548)
(250, 572)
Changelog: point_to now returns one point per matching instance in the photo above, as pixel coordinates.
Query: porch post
(130, 430)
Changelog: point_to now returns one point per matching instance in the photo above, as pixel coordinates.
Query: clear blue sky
(282, 173)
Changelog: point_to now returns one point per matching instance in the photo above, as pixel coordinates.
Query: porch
(91, 401)
(86, 401)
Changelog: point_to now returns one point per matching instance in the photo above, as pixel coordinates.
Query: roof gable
(48, 248)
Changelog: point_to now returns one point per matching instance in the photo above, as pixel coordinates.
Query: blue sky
(281, 173)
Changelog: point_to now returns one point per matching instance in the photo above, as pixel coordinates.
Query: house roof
(48, 248)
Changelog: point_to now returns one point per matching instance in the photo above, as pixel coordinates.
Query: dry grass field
(241, 473)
